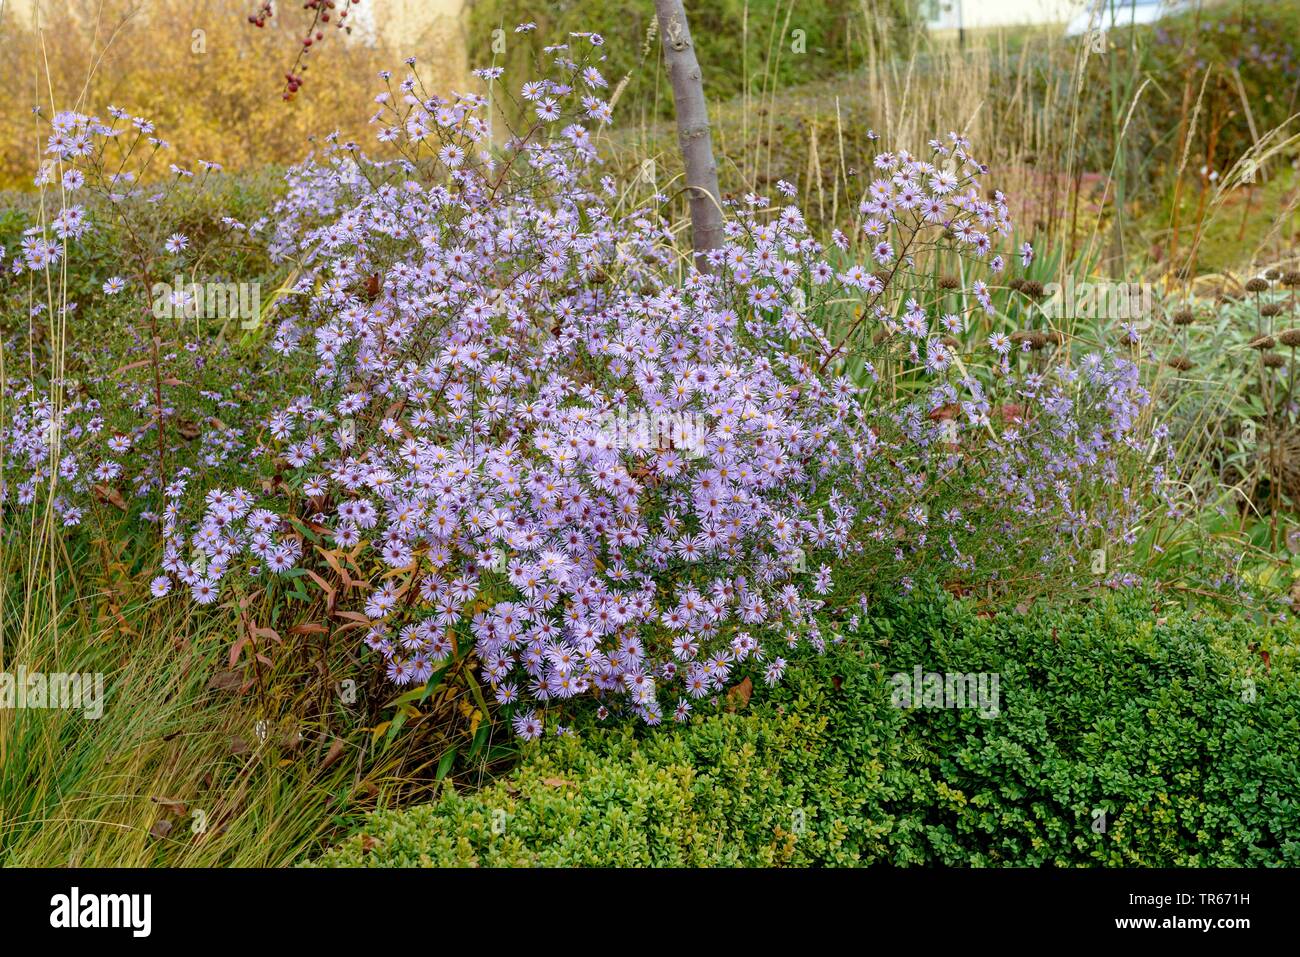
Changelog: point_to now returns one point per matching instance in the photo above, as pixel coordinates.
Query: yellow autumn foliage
(211, 81)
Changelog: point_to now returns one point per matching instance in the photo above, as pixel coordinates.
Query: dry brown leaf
(738, 695)
(109, 495)
(335, 752)
(225, 681)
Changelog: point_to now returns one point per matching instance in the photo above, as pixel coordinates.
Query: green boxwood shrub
(1111, 708)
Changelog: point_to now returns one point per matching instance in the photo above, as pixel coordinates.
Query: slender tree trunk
(692, 130)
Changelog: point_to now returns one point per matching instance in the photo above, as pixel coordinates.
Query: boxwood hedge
(1127, 735)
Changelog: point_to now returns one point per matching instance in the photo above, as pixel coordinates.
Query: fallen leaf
(161, 828)
(738, 695)
(225, 681)
(109, 495)
(335, 752)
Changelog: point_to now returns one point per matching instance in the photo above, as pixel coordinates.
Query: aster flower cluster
(521, 429)
(147, 406)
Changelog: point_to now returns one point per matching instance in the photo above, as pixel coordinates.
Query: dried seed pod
(1263, 342)
(1291, 338)
(1291, 278)
(1273, 360)
(1258, 284)
(1032, 287)
(1270, 309)
(1034, 337)
(949, 282)
(1184, 317)
(1272, 275)
(1181, 363)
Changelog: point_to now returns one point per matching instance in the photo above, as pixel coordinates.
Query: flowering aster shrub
(106, 395)
(467, 331)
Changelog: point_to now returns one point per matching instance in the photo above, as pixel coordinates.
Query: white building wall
(977, 14)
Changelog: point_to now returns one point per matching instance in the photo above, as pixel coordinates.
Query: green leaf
(444, 765)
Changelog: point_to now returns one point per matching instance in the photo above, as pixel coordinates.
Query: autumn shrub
(495, 420)
(197, 69)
